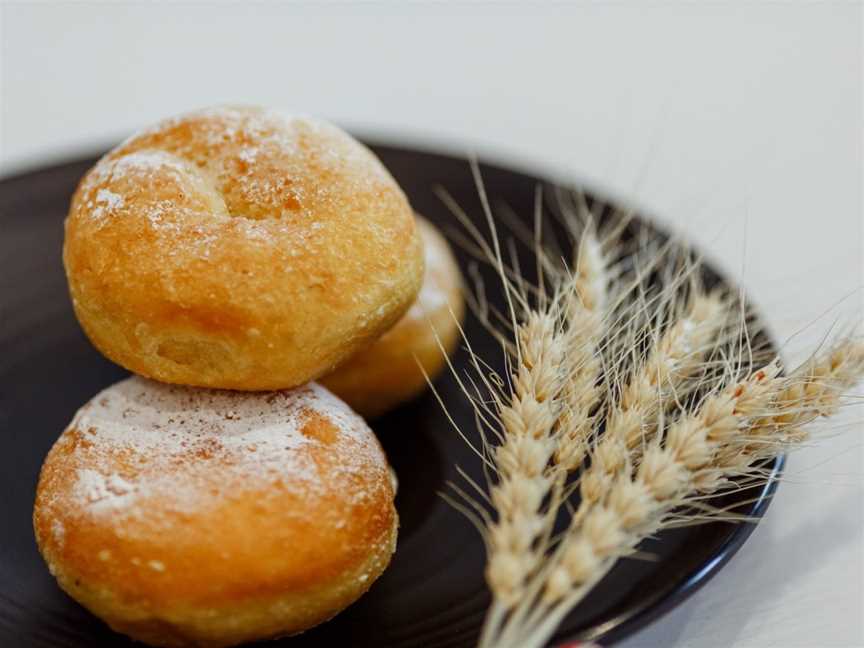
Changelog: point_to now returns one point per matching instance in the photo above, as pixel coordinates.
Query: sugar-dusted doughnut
(239, 248)
(186, 516)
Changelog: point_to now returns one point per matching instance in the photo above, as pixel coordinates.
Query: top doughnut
(239, 248)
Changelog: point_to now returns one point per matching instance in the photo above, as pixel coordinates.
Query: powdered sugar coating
(259, 177)
(141, 441)
(255, 163)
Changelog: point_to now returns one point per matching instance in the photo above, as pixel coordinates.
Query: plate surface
(433, 594)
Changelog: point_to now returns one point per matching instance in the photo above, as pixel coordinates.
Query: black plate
(433, 594)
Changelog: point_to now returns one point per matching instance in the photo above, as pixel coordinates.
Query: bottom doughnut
(192, 517)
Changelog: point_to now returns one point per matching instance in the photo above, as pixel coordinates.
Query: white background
(739, 123)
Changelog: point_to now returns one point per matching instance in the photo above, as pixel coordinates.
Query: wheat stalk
(726, 436)
(654, 453)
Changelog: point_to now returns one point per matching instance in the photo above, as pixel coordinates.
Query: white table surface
(741, 123)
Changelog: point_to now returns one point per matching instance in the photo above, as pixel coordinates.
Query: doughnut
(386, 374)
(185, 516)
(239, 248)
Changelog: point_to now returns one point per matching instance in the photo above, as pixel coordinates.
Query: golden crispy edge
(232, 623)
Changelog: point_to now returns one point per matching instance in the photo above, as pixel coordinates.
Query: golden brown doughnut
(186, 516)
(386, 374)
(238, 248)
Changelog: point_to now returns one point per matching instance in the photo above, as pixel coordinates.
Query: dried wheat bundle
(628, 383)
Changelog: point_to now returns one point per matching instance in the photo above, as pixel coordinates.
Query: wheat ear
(523, 419)
(584, 307)
(814, 389)
(528, 422)
(518, 539)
